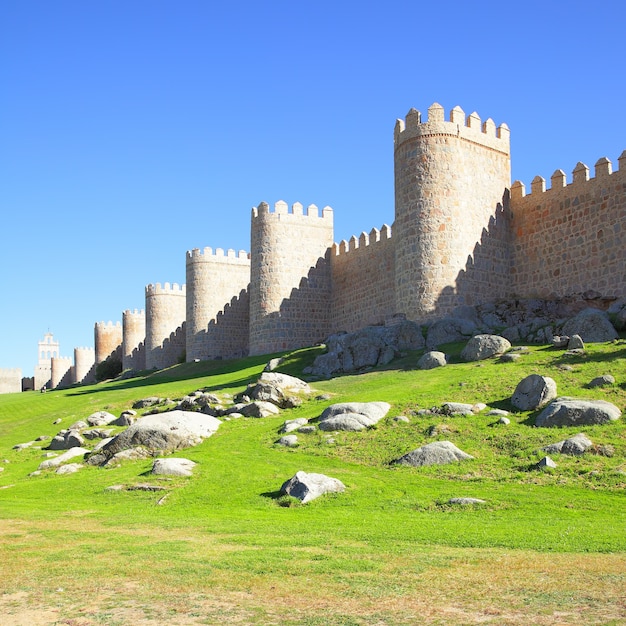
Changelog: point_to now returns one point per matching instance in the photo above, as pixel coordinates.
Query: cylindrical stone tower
(290, 277)
(165, 315)
(450, 177)
(61, 372)
(133, 336)
(213, 280)
(107, 339)
(84, 365)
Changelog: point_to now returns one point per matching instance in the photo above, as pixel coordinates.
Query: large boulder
(165, 431)
(352, 416)
(436, 453)
(65, 440)
(431, 360)
(306, 487)
(485, 346)
(575, 445)
(592, 325)
(279, 389)
(63, 458)
(101, 418)
(173, 467)
(533, 392)
(577, 412)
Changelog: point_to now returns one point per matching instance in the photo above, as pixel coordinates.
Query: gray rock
(510, 357)
(63, 458)
(259, 408)
(545, 462)
(173, 467)
(101, 418)
(560, 341)
(79, 425)
(449, 329)
(280, 389)
(166, 431)
(575, 343)
(533, 392)
(505, 421)
(97, 433)
(291, 425)
(144, 403)
(457, 408)
(272, 364)
(485, 346)
(577, 412)
(574, 446)
(498, 412)
(352, 416)
(402, 418)
(431, 360)
(125, 419)
(466, 501)
(289, 441)
(592, 325)
(130, 454)
(23, 446)
(436, 453)
(65, 440)
(307, 430)
(306, 487)
(601, 381)
(70, 468)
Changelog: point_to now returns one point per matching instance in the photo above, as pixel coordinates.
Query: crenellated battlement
(83, 350)
(66, 360)
(580, 175)
(166, 290)
(134, 313)
(108, 325)
(208, 254)
(363, 241)
(469, 128)
(281, 209)
(10, 371)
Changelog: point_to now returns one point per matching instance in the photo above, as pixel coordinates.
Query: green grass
(380, 542)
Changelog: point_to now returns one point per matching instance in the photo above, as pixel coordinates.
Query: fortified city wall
(61, 372)
(572, 237)
(165, 315)
(362, 273)
(107, 339)
(10, 380)
(133, 335)
(289, 276)
(213, 280)
(227, 336)
(84, 365)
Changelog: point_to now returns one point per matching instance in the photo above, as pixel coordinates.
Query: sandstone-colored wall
(290, 277)
(363, 283)
(165, 315)
(84, 365)
(450, 179)
(571, 238)
(107, 339)
(42, 375)
(226, 336)
(133, 336)
(213, 280)
(10, 380)
(60, 372)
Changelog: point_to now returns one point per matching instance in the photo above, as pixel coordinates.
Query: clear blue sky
(132, 131)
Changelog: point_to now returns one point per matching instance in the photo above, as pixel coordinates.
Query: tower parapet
(287, 246)
(450, 178)
(165, 314)
(107, 339)
(213, 278)
(133, 336)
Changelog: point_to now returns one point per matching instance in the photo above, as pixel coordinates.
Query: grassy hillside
(547, 547)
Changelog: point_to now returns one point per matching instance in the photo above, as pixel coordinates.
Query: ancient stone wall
(10, 380)
(290, 277)
(571, 238)
(61, 372)
(107, 339)
(363, 284)
(226, 336)
(133, 335)
(84, 366)
(165, 314)
(213, 280)
(450, 177)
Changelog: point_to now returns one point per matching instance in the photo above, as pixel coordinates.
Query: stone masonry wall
(134, 333)
(226, 336)
(571, 238)
(84, 365)
(289, 277)
(10, 380)
(363, 286)
(61, 372)
(165, 314)
(213, 280)
(107, 339)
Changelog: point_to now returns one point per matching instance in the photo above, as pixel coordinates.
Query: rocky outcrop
(592, 325)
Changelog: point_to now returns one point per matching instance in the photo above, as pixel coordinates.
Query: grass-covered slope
(389, 550)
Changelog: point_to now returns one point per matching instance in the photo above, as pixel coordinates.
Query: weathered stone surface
(79, 425)
(307, 430)
(65, 440)
(352, 416)
(577, 412)
(466, 501)
(436, 453)
(166, 431)
(173, 467)
(592, 325)
(457, 408)
(130, 454)
(505, 421)
(306, 487)
(575, 343)
(546, 462)
(259, 408)
(101, 418)
(449, 329)
(291, 425)
(125, 419)
(63, 458)
(289, 441)
(601, 381)
(144, 403)
(574, 446)
(70, 468)
(510, 357)
(485, 346)
(533, 392)
(97, 433)
(431, 360)
(272, 364)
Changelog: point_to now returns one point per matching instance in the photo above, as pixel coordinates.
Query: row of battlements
(297, 210)
(62, 359)
(208, 254)
(134, 313)
(84, 349)
(174, 289)
(11, 371)
(363, 241)
(467, 127)
(580, 174)
(109, 324)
